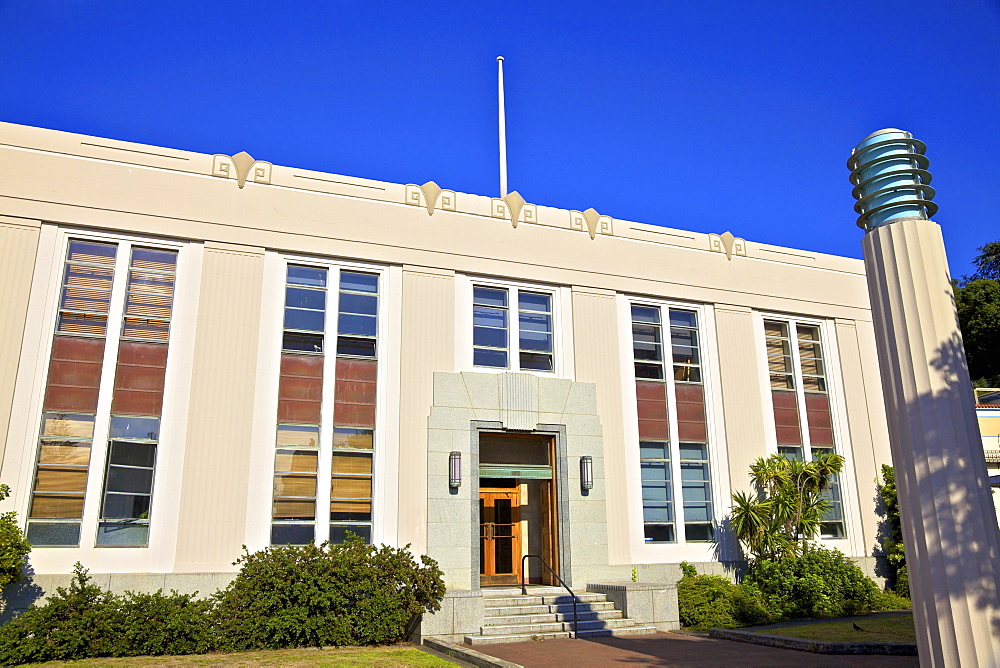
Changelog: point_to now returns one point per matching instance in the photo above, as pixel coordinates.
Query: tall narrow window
(798, 382)
(501, 341)
(354, 407)
(673, 433)
(137, 399)
(300, 394)
(304, 437)
(71, 393)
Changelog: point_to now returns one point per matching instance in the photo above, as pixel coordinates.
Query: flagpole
(503, 130)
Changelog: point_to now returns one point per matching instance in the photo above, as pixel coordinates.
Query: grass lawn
(890, 628)
(346, 656)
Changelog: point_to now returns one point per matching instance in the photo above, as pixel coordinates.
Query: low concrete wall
(648, 603)
(19, 596)
(461, 614)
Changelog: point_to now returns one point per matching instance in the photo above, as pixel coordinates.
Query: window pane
(490, 358)
(536, 361)
(303, 343)
(135, 427)
(532, 301)
(361, 304)
(125, 506)
(535, 322)
(687, 374)
(133, 454)
(301, 435)
(483, 316)
(645, 314)
(130, 480)
(650, 371)
(68, 424)
(353, 347)
(659, 533)
(363, 325)
(653, 450)
(683, 337)
(355, 282)
(339, 532)
(683, 318)
(116, 534)
(53, 533)
(489, 337)
(312, 321)
(346, 462)
(310, 276)
(489, 297)
(291, 534)
(536, 341)
(344, 437)
(305, 298)
(699, 533)
(296, 461)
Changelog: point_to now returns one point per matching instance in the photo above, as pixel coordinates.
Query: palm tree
(789, 505)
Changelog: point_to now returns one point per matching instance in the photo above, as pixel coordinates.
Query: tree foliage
(788, 507)
(14, 547)
(892, 541)
(977, 299)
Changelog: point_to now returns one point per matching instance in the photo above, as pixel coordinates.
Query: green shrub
(887, 600)
(712, 601)
(14, 547)
(158, 623)
(86, 621)
(349, 593)
(818, 583)
(74, 623)
(902, 587)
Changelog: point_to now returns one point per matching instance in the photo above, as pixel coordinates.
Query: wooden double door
(499, 536)
(505, 535)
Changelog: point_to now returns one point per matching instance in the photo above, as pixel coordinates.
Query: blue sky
(706, 116)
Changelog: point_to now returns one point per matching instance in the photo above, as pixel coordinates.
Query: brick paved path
(673, 649)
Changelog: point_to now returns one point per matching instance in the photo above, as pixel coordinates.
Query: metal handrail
(524, 588)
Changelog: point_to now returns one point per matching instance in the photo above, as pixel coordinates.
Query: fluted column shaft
(949, 526)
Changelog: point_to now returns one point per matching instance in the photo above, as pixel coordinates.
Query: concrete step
(602, 606)
(549, 599)
(538, 618)
(528, 628)
(519, 637)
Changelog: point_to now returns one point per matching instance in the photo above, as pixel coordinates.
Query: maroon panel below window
(357, 369)
(355, 392)
(786, 417)
(353, 415)
(691, 413)
(818, 419)
(651, 405)
(139, 378)
(74, 374)
(300, 390)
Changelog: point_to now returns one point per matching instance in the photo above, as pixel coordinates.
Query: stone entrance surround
(464, 406)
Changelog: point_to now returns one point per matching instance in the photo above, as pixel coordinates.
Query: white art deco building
(203, 352)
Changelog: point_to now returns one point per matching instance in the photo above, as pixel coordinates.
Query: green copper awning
(527, 471)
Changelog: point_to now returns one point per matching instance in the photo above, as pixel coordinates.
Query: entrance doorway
(517, 508)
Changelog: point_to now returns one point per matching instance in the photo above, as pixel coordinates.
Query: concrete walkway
(673, 649)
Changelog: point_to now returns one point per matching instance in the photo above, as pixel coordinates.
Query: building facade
(205, 352)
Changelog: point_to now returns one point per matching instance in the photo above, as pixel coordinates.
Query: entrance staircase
(547, 613)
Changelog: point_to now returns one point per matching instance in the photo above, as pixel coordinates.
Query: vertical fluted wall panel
(742, 404)
(598, 361)
(18, 244)
(428, 345)
(212, 517)
(949, 527)
(519, 401)
(864, 453)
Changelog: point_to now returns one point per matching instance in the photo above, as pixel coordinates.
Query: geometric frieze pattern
(728, 244)
(242, 167)
(430, 196)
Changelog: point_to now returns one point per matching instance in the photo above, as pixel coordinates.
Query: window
(309, 434)
(494, 331)
(673, 434)
(797, 376)
(74, 386)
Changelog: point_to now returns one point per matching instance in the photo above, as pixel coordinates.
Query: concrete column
(952, 543)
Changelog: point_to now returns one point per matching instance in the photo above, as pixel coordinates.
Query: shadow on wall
(961, 479)
(19, 596)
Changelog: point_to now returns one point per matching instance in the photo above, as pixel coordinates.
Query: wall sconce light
(586, 472)
(455, 469)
